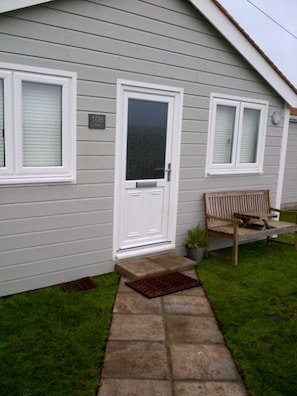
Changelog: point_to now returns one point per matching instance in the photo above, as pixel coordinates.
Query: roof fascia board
(216, 16)
(10, 5)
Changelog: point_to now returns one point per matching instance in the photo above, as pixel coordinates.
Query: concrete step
(154, 266)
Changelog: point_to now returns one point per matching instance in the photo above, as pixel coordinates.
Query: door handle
(168, 170)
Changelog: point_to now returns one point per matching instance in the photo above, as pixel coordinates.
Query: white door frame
(124, 86)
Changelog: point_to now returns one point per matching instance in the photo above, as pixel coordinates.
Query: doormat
(79, 285)
(164, 284)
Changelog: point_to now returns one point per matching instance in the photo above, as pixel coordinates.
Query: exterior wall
(289, 195)
(56, 233)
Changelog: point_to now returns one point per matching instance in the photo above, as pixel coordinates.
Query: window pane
(249, 137)
(146, 141)
(2, 147)
(42, 124)
(224, 133)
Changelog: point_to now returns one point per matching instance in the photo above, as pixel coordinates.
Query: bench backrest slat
(226, 203)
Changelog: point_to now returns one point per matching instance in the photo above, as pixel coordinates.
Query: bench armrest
(284, 211)
(289, 212)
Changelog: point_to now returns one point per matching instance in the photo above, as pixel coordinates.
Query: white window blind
(41, 124)
(237, 132)
(224, 134)
(2, 147)
(249, 137)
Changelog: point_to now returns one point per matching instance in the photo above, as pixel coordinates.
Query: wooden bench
(243, 216)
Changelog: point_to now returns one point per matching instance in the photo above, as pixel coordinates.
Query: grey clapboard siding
(289, 196)
(55, 233)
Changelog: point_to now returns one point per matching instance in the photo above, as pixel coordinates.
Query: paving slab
(186, 305)
(137, 327)
(193, 329)
(215, 388)
(139, 269)
(136, 360)
(135, 388)
(154, 265)
(136, 303)
(173, 262)
(202, 362)
(166, 346)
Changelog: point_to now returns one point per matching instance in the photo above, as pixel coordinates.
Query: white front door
(148, 134)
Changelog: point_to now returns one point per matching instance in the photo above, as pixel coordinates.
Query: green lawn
(256, 307)
(52, 342)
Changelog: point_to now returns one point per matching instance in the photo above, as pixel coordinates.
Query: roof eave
(217, 15)
(11, 5)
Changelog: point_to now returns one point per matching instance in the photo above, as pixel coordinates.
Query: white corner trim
(211, 11)
(10, 5)
(283, 154)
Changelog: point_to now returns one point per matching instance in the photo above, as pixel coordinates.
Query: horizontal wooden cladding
(109, 37)
(46, 266)
(46, 252)
(188, 71)
(106, 33)
(152, 10)
(137, 15)
(24, 227)
(95, 135)
(197, 86)
(55, 277)
(95, 176)
(95, 162)
(189, 207)
(93, 104)
(58, 193)
(95, 148)
(48, 208)
(96, 88)
(50, 237)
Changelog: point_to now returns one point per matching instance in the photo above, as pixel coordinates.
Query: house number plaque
(97, 121)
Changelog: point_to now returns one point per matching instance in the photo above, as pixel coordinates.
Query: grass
(52, 342)
(256, 307)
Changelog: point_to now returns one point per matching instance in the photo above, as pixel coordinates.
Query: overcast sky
(273, 25)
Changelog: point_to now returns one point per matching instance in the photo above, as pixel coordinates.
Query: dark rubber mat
(164, 284)
(79, 285)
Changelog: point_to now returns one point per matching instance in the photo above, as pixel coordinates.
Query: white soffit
(218, 19)
(10, 5)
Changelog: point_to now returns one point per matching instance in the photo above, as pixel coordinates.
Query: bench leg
(235, 248)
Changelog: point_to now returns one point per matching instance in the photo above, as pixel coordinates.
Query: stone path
(167, 346)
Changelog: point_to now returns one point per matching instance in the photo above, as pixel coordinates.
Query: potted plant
(195, 243)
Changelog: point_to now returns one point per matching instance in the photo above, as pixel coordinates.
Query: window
(236, 135)
(37, 123)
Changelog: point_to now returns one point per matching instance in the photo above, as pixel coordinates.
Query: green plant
(196, 237)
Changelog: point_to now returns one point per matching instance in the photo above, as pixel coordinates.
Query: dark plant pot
(196, 254)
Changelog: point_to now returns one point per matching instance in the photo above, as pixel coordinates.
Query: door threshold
(143, 251)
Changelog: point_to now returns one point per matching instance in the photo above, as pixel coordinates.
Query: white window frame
(235, 166)
(14, 171)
